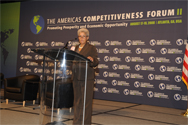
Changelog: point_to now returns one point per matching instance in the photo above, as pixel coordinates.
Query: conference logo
(42, 64)
(97, 50)
(128, 42)
(73, 43)
(152, 42)
(70, 72)
(126, 92)
(150, 94)
(115, 50)
(36, 57)
(179, 42)
(70, 43)
(163, 51)
(22, 44)
(114, 82)
(115, 66)
(178, 60)
(52, 71)
(151, 59)
(21, 69)
(177, 78)
(52, 43)
(104, 90)
(26, 44)
(59, 64)
(106, 58)
(96, 89)
(105, 74)
(50, 78)
(150, 76)
(127, 75)
(35, 70)
(162, 68)
(177, 97)
(95, 81)
(136, 84)
(37, 44)
(37, 24)
(59, 77)
(128, 59)
(27, 63)
(161, 86)
(137, 67)
(28, 50)
(107, 43)
(138, 50)
(98, 58)
(41, 76)
(22, 56)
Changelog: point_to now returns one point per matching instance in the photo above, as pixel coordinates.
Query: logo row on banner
(107, 43)
(151, 59)
(149, 94)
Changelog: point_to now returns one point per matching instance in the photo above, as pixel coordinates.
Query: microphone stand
(65, 47)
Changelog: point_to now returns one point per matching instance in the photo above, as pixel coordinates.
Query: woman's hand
(90, 58)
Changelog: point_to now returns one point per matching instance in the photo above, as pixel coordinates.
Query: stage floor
(104, 113)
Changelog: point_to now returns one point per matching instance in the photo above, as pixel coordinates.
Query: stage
(104, 113)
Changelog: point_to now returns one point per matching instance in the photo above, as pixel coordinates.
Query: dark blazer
(78, 72)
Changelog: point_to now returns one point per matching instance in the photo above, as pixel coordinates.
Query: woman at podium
(78, 76)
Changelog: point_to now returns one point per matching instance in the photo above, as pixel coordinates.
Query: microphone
(65, 47)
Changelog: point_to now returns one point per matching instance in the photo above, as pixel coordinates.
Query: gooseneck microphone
(65, 47)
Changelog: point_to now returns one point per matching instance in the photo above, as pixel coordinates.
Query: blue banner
(140, 46)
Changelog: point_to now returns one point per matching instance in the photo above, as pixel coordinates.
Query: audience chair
(21, 88)
(63, 97)
(2, 79)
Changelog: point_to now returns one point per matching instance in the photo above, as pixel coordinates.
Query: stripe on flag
(185, 67)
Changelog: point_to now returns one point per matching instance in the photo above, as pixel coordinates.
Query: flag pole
(183, 75)
(186, 113)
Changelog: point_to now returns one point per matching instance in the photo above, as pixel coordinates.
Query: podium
(58, 65)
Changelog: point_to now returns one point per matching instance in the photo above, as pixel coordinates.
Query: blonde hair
(86, 31)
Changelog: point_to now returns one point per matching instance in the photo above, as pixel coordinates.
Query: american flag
(185, 67)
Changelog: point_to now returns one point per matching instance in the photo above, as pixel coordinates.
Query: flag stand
(186, 113)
